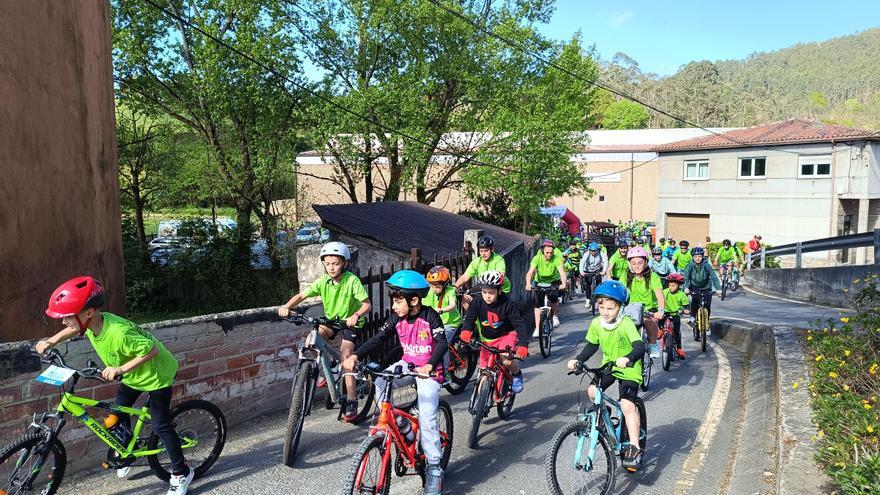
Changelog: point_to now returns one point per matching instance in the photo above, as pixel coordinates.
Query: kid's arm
(64, 335)
(587, 352)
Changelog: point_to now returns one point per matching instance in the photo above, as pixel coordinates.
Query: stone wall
(828, 286)
(242, 361)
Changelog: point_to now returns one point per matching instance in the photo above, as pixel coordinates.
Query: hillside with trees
(833, 81)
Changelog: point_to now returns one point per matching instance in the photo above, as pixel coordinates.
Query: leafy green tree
(625, 114)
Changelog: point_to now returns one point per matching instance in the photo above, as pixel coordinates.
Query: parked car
(308, 234)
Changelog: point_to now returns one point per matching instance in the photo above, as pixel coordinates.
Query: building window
(815, 166)
(751, 168)
(696, 170)
(601, 199)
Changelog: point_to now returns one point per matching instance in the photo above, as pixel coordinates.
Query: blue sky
(664, 35)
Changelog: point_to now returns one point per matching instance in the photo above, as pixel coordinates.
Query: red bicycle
(666, 339)
(493, 388)
(370, 469)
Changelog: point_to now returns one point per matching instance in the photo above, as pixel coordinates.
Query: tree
(625, 114)
(248, 117)
(697, 94)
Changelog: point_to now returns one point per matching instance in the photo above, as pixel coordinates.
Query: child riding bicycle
(420, 332)
(727, 256)
(128, 352)
(644, 287)
(501, 325)
(620, 342)
(660, 265)
(676, 303)
(593, 265)
(617, 263)
(344, 297)
(700, 280)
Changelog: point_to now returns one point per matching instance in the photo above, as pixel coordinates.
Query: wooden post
(415, 259)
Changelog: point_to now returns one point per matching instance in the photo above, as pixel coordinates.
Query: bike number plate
(55, 376)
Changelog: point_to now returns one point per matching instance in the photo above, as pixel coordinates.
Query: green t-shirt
(727, 254)
(619, 265)
(120, 341)
(340, 300)
(496, 262)
(451, 318)
(681, 259)
(546, 272)
(675, 301)
(617, 343)
(642, 291)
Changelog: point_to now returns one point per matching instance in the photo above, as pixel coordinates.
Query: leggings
(160, 413)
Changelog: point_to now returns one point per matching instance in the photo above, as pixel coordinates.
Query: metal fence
(866, 239)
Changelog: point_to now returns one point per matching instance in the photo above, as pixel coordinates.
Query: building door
(686, 226)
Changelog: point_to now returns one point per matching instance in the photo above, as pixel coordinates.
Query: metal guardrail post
(797, 255)
(877, 246)
(763, 258)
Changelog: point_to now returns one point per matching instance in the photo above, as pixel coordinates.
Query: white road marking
(709, 426)
(763, 294)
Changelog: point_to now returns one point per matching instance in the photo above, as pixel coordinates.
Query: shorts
(503, 342)
(552, 297)
(628, 389)
(347, 334)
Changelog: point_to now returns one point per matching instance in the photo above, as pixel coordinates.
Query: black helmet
(726, 242)
(623, 243)
(486, 241)
(684, 243)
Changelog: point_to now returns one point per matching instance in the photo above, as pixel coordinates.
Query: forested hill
(837, 81)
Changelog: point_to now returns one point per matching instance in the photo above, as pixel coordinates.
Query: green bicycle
(35, 462)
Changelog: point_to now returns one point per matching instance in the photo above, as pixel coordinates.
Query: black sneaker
(631, 458)
(351, 410)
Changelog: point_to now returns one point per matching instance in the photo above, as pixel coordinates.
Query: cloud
(619, 19)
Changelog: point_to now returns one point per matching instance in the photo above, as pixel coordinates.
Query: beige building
(788, 181)
(622, 167)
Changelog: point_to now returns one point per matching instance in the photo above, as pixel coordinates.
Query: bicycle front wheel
(545, 335)
(369, 471)
(483, 389)
(569, 470)
(668, 351)
(201, 427)
(20, 458)
(724, 281)
(703, 326)
(461, 367)
(300, 405)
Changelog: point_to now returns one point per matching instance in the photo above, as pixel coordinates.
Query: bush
(845, 369)
(771, 261)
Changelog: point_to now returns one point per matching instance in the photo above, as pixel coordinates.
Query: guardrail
(865, 239)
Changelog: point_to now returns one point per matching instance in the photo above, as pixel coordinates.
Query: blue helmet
(612, 289)
(593, 246)
(409, 282)
(698, 251)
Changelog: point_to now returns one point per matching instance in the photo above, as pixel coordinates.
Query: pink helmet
(637, 252)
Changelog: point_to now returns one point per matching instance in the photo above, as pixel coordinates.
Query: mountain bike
(545, 324)
(36, 461)
(582, 453)
(702, 317)
(370, 468)
(316, 352)
(636, 312)
(462, 364)
(493, 388)
(729, 279)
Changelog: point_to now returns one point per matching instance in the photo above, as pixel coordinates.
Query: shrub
(845, 369)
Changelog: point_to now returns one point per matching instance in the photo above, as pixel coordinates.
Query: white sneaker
(180, 484)
(709, 332)
(536, 333)
(555, 321)
(655, 350)
(123, 472)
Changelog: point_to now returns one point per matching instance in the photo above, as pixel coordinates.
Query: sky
(664, 35)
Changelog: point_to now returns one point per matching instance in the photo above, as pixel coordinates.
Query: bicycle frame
(317, 351)
(493, 370)
(612, 433)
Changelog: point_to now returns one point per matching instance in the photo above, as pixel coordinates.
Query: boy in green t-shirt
(442, 298)
(618, 264)
(677, 302)
(546, 268)
(344, 297)
(620, 342)
(129, 352)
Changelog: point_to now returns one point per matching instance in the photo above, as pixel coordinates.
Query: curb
(797, 472)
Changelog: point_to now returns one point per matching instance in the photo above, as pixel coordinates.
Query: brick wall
(243, 361)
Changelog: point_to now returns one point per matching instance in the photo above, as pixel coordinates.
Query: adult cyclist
(486, 260)
(660, 265)
(572, 259)
(726, 256)
(593, 264)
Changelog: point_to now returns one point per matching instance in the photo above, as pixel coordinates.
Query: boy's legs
(126, 396)
(346, 347)
(160, 412)
(381, 383)
(429, 399)
(676, 330)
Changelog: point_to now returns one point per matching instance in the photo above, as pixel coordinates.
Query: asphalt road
(694, 411)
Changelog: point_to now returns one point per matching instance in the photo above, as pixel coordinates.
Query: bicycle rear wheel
(482, 391)
(369, 472)
(724, 280)
(201, 427)
(300, 405)
(703, 326)
(545, 336)
(590, 475)
(461, 367)
(20, 457)
(505, 407)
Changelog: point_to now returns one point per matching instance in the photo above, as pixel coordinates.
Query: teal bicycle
(583, 454)
(35, 462)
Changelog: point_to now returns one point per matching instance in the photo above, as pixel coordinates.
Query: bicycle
(462, 363)
(582, 453)
(200, 424)
(545, 323)
(316, 352)
(493, 388)
(702, 317)
(667, 342)
(636, 312)
(729, 279)
(369, 473)
(594, 280)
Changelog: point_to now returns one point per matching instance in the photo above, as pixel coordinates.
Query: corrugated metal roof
(403, 225)
(792, 131)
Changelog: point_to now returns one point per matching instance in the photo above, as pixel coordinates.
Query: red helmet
(548, 243)
(675, 277)
(74, 296)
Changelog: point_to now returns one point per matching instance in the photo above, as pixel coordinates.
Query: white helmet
(336, 249)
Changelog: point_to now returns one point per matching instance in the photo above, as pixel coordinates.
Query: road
(694, 413)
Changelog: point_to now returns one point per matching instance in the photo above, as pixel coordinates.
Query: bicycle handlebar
(398, 372)
(92, 372)
(581, 368)
(301, 319)
(477, 345)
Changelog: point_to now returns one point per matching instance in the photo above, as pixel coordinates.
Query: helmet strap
(83, 326)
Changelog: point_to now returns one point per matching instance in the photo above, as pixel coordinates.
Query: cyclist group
(425, 317)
